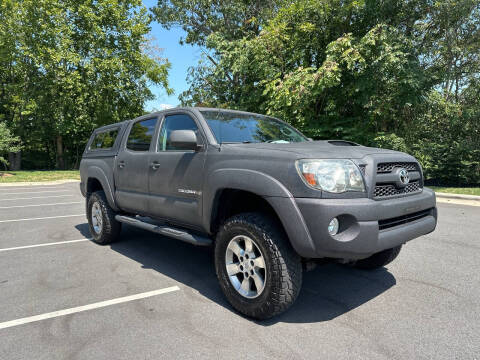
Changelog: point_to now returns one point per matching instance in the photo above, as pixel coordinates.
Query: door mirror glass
(182, 140)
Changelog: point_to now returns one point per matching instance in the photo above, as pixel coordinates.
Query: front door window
(171, 123)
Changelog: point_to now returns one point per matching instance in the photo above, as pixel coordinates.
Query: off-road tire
(110, 227)
(379, 259)
(282, 263)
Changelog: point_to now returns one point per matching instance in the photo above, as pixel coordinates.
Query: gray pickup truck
(269, 200)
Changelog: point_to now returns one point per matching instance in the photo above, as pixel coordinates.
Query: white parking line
(41, 218)
(38, 197)
(77, 309)
(45, 244)
(22, 206)
(37, 192)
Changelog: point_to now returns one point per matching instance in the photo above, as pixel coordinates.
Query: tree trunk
(76, 157)
(18, 160)
(15, 160)
(11, 160)
(60, 160)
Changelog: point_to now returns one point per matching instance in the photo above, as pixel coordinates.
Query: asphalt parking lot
(148, 297)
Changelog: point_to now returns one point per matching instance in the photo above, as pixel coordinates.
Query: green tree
(449, 37)
(8, 143)
(205, 23)
(74, 65)
(231, 19)
(320, 66)
(446, 139)
(398, 74)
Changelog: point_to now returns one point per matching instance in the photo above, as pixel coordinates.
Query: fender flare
(95, 172)
(272, 190)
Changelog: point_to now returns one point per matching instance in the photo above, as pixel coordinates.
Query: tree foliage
(67, 67)
(8, 143)
(398, 74)
(232, 19)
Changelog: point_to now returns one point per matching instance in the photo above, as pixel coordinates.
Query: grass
(455, 190)
(34, 175)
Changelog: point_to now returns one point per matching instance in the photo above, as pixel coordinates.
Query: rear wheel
(101, 219)
(379, 259)
(258, 270)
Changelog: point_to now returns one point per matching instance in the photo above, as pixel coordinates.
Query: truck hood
(324, 149)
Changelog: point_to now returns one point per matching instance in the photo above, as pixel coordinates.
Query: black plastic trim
(404, 219)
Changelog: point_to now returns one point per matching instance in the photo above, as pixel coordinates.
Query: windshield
(250, 128)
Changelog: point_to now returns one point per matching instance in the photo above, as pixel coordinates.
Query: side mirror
(183, 140)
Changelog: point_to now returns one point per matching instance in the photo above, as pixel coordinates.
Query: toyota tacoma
(268, 199)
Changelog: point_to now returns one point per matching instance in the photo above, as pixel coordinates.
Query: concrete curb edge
(34, 183)
(457, 196)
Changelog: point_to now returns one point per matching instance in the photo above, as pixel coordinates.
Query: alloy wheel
(245, 266)
(97, 217)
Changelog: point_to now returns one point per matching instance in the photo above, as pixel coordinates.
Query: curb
(457, 196)
(34, 183)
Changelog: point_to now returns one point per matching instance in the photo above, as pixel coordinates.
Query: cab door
(176, 175)
(132, 167)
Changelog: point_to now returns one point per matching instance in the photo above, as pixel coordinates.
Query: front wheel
(258, 270)
(379, 259)
(101, 219)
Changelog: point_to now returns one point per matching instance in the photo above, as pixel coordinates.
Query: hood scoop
(342, 143)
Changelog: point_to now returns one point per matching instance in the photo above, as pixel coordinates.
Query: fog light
(333, 227)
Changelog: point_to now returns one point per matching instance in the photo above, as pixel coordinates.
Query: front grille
(383, 168)
(391, 190)
(386, 187)
(404, 219)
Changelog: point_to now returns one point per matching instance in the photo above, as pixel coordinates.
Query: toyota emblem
(403, 176)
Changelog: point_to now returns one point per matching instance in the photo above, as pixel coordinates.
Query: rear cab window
(104, 140)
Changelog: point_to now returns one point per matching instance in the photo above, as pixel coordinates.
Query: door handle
(155, 165)
(121, 164)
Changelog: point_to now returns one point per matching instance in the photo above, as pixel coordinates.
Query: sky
(181, 58)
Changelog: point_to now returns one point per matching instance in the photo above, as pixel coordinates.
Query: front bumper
(360, 234)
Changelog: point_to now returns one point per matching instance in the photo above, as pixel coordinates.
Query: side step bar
(166, 231)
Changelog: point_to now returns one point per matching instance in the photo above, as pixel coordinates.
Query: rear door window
(141, 135)
(104, 140)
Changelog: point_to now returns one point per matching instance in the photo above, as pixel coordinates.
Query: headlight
(335, 176)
